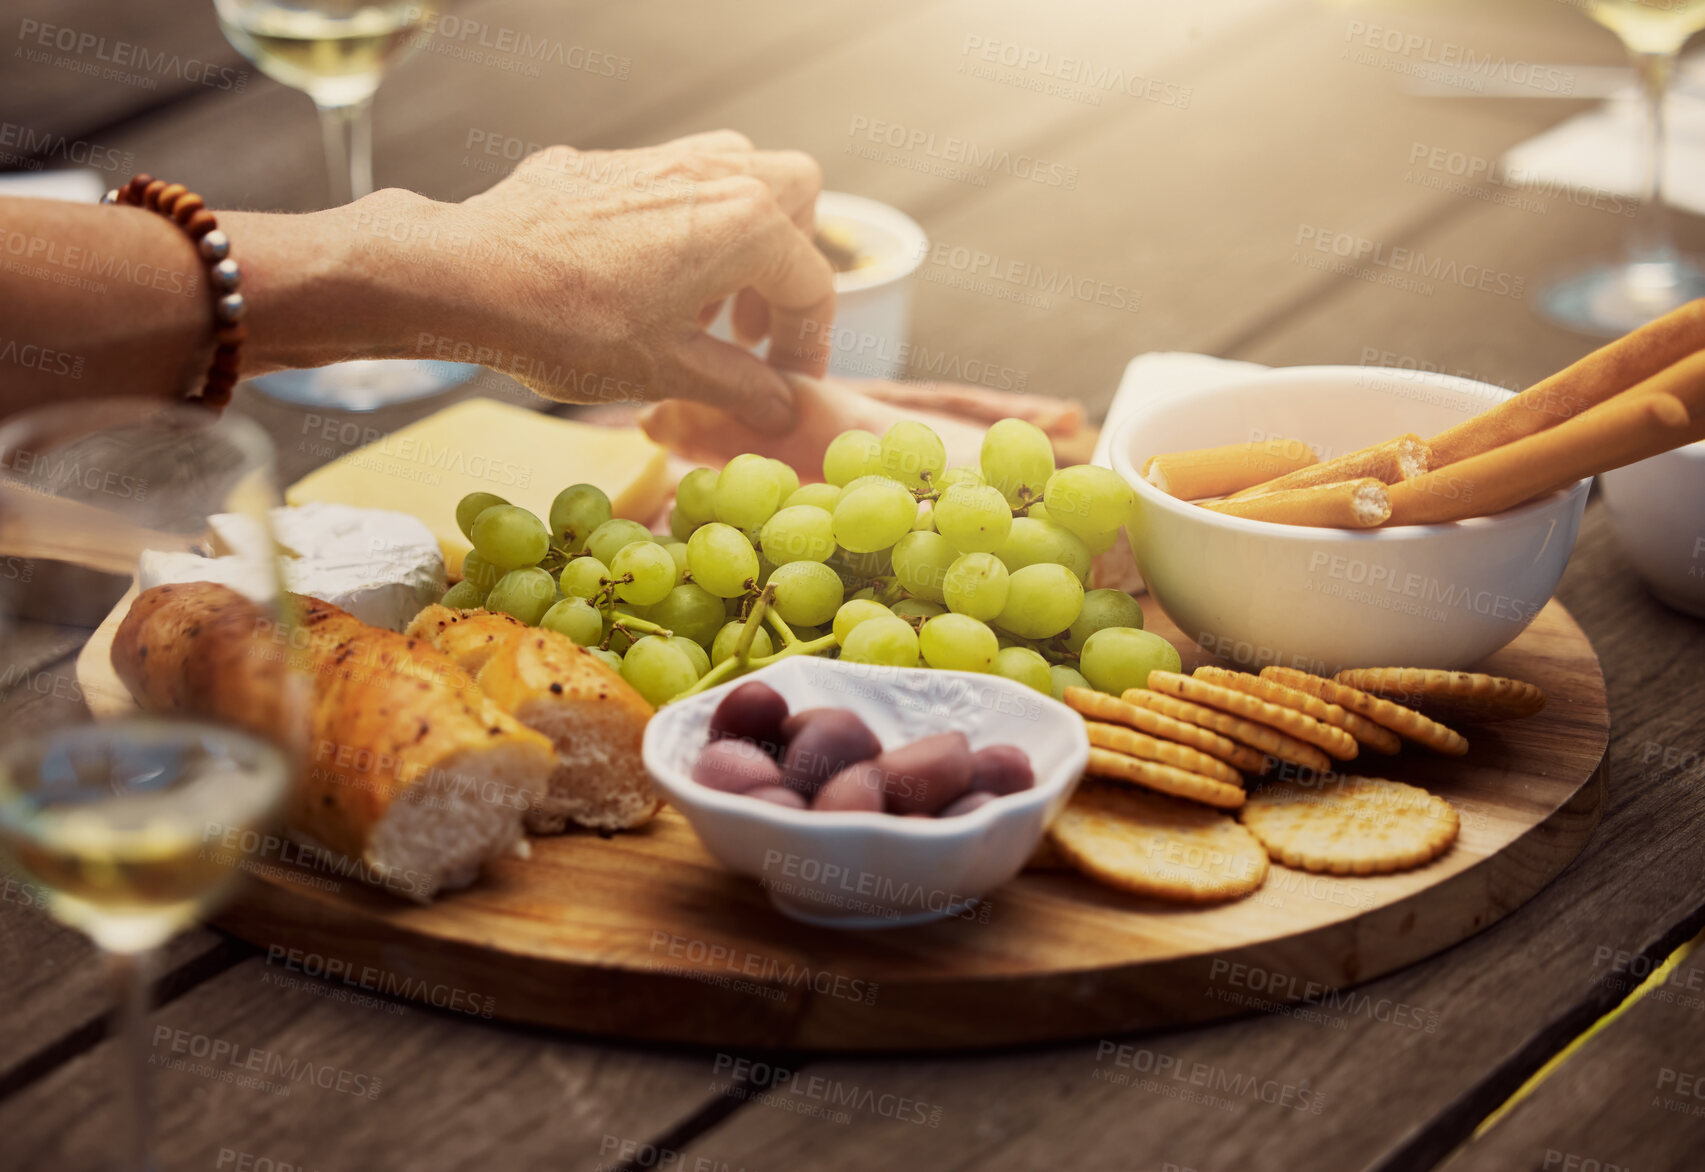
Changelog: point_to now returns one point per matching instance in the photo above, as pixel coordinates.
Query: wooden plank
(1630, 1097)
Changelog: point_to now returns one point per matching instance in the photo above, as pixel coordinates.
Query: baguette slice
(408, 768)
(549, 683)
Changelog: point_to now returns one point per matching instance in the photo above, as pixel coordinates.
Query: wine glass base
(1609, 300)
(366, 384)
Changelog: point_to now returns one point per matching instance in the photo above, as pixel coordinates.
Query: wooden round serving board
(642, 935)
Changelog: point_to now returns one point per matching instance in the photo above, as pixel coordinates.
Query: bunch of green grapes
(894, 558)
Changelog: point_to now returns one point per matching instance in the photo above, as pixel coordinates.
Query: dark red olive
(735, 767)
(857, 787)
(823, 746)
(1001, 769)
(924, 776)
(752, 712)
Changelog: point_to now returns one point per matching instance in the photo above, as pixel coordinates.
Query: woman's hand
(607, 266)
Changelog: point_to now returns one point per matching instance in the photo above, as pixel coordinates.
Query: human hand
(620, 259)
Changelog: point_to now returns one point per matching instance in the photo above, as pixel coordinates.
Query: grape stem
(631, 623)
(733, 666)
(754, 622)
(779, 625)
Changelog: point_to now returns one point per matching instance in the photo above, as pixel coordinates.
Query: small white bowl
(1258, 593)
(861, 870)
(1657, 508)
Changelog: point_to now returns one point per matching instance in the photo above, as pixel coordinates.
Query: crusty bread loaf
(549, 683)
(407, 767)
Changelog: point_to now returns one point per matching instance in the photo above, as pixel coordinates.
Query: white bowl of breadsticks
(1310, 574)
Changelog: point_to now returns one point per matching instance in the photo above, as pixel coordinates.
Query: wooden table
(1251, 127)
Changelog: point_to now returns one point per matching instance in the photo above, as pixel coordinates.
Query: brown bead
(151, 195)
(134, 189)
(169, 196)
(200, 224)
(227, 361)
(232, 335)
(187, 205)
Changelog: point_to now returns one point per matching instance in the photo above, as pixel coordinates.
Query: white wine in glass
(1654, 277)
(337, 52)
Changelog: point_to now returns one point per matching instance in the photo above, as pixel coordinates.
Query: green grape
(1017, 458)
(961, 475)
(806, 634)
(789, 478)
(657, 670)
(1041, 601)
(912, 454)
(527, 594)
(868, 594)
(1116, 658)
(798, 533)
(1062, 677)
(808, 593)
(679, 527)
(855, 611)
(690, 611)
(921, 561)
(695, 496)
(1101, 609)
(1036, 511)
(1034, 542)
(747, 492)
(1026, 666)
(850, 455)
(480, 572)
(576, 511)
(956, 642)
(820, 496)
(974, 518)
(861, 568)
(721, 560)
(874, 516)
(917, 608)
(728, 639)
(469, 508)
(650, 567)
(976, 585)
(464, 595)
(583, 577)
(608, 658)
(698, 655)
(1099, 543)
(925, 522)
(576, 618)
(510, 537)
(875, 478)
(678, 551)
(1087, 499)
(609, 538)
(885, 641)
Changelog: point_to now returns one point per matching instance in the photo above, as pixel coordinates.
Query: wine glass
(336, 52)
(1653, 278)
(126, 820)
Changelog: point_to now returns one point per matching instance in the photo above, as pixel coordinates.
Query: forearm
(114, 300)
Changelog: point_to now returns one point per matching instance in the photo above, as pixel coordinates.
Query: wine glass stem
(348, 132)
(130, 973)
(1650, 241)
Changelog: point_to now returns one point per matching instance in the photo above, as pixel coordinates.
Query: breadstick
(1628, 427)
(1630, 359)
(1209, 472)
(1349, 504)
(1397, 459)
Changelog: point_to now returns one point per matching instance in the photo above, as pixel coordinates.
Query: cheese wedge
(481, 445)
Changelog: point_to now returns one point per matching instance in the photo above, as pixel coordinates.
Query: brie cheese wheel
(380, 566)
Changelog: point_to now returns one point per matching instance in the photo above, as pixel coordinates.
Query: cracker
(1101, 706)
(1465, 696)
(1135, 744)
(1347, 825)
(1153, 845)
(1166, 779)
(1264, 687)
(1047, 857)
(1404, 721)
(1335, 741)
(1265, 738)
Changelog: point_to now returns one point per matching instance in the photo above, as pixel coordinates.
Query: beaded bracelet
(189, 212)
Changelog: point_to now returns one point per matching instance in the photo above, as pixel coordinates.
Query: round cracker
(1264, 687)
(1465, 696)
(1101, 706)
(1405, 722)
(1263, 737)
(1347, 825)
(1154, 845)
(1335, 741)
(1166, 779)
(1135, 744)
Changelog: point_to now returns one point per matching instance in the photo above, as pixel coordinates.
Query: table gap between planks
(1198, 208)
